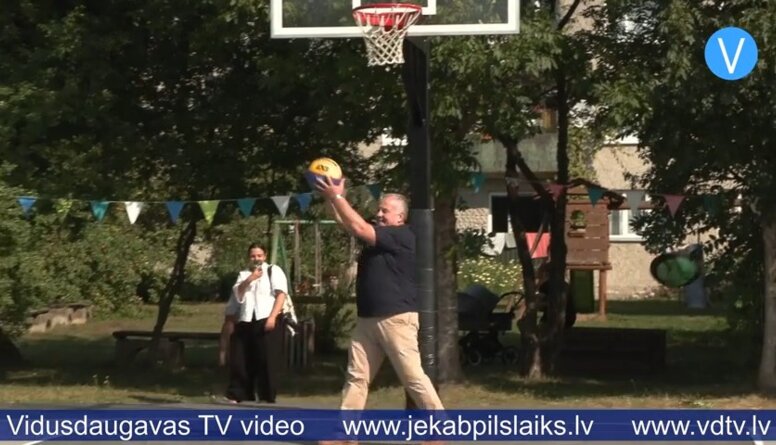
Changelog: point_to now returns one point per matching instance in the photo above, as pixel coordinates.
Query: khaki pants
(396, 337)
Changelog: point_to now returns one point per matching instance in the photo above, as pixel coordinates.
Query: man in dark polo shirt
(386, 289)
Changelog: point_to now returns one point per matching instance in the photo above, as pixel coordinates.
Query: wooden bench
(299, 348)
(613, 350)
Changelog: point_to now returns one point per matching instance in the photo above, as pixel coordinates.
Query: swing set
(302, 283)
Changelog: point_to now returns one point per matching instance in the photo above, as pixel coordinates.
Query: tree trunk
(446, 288)
(542, 342)
(767, 376)
(528, 323)
(11, 355)
(556, 300)
(174, 283)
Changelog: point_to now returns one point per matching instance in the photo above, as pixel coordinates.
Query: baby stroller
(483, 316)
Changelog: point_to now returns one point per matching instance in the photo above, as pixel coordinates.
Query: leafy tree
(15, 239)
(495, 85)
(51, 258)
(547, 67)
(702, 136)
(157, 100)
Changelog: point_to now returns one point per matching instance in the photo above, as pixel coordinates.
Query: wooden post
(602, 293)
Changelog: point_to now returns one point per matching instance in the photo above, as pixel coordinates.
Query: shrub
(470, 242)
(334, 318)
(498, 276)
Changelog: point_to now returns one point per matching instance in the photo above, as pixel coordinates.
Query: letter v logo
(731, 53)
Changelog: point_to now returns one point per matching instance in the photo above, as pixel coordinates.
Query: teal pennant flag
(246, 205)
(477, 180)
(375, 190)
(595, 194)
(99, 208)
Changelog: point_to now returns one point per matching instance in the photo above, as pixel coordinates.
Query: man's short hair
(403, 203)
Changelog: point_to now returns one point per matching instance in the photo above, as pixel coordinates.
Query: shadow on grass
(699, 365)
(79, 361)
(661, 306)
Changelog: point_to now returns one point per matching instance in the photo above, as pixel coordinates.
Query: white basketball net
(384, 27)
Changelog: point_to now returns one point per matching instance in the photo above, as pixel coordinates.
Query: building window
(621, 227)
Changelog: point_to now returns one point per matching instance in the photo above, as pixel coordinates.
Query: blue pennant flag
(26, 202)
(174, 208)
(99, 208)
(375, 190)
(246, 205)
(594, 193)
(304, 200)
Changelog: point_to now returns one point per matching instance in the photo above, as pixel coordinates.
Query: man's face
(257, 255)
(390, 213)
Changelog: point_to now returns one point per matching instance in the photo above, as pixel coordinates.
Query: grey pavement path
(216, 405)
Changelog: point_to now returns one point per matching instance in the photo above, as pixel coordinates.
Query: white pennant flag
(133, 210)
(281, 202)
(634, 198)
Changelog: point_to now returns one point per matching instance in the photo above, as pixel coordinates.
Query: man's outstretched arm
(351, 220)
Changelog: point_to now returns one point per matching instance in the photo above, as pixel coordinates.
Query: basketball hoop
(384, 26)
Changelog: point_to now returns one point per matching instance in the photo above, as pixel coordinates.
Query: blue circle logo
(731, 53)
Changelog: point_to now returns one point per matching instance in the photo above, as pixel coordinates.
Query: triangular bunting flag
(375, 190)
(99, 208)
(174, 208)
(555, 190)
(673, 202)
(634, 198)
(281, 202)
(26, 202)
(246, 205)
(304, 200)
(63, 206)
(712, 204)
(595, 194)
(477, 180)
(133, 210)
(209, 209)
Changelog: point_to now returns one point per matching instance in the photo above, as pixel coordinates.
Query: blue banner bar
(393, 425)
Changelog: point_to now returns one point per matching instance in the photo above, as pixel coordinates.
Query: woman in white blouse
(254, 326)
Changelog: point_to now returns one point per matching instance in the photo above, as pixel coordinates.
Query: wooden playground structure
(587, 241)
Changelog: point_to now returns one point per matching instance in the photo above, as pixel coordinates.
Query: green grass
(74, 365)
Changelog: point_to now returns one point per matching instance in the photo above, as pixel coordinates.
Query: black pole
(415, 77)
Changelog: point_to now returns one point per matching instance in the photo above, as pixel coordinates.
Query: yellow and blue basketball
(323, 168)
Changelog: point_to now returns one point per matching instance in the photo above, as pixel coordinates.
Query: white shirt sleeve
(279, 283)
(240, 278)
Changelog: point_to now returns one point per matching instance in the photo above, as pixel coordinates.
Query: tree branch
(566, 18)
(515, 157)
